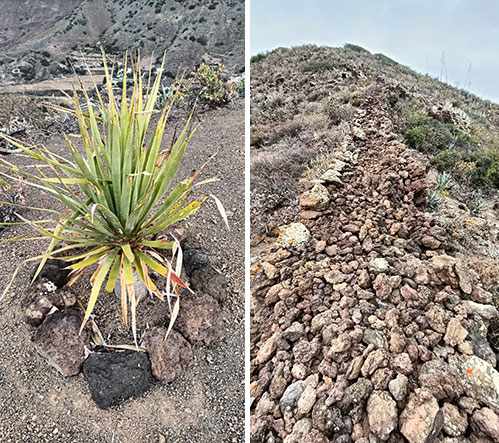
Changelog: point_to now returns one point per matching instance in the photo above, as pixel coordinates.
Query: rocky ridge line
(367, 329)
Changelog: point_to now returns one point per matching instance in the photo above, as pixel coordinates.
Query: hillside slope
(375, 265)
(36, 38)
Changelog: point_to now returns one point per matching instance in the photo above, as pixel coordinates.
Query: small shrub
(486, 170)
(258, 57)
(336, 111)
(202, 40)
(356, 101)
(447, 159)
(385, 59)
(28, 72)
(317, 65)
(427, 134)
(211, 85)
(355, 48)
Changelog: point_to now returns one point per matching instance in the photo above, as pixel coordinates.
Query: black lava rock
(112, 376)
(54, 271)
(201, 267)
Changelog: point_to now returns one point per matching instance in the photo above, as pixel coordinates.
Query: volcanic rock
(200, 319)
(59, 342)
(168, 357)
(113, 376)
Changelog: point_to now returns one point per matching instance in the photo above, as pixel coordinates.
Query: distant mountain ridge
(37, 37)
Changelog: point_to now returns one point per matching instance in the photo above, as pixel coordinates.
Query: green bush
(317, 65)
(486, 171)
(258, 57)
(447, 159)
(355, 48)
(427, 134)
(202, 40)
(28, 72)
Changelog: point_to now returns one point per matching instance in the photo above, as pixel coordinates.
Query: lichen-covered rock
(478, 378)
(316, 199)
(294, 234)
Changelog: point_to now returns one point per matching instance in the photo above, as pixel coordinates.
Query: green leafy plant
(441, 191)
(211, 85)
(427, 134)
(118, 190)
(173, 93)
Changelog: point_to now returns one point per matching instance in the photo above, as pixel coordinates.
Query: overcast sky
(416, 33)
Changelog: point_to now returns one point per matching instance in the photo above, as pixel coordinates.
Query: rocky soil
(372, 319)
(197, 374)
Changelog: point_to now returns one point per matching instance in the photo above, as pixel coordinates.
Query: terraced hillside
(39, 39)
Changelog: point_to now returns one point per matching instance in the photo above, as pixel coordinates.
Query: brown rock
(200, 319)
(437, 318)
(270, 270)
(376, 359)
(168, 357)
(382, 414)
(364, 279)
(439, 378)
(266, 350)
(306, 401)
(36, 311)
(430, 242)
(58, 341)
(316, 199)
(309, 214)
(455, 334)
(401, 363)
(455, 422)
(486, 421)
(341, 344)
(421, 419)
(384, 285)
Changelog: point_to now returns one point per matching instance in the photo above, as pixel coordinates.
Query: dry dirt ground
(206, 403)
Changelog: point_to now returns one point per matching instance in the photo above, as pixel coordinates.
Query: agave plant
(118, 190)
